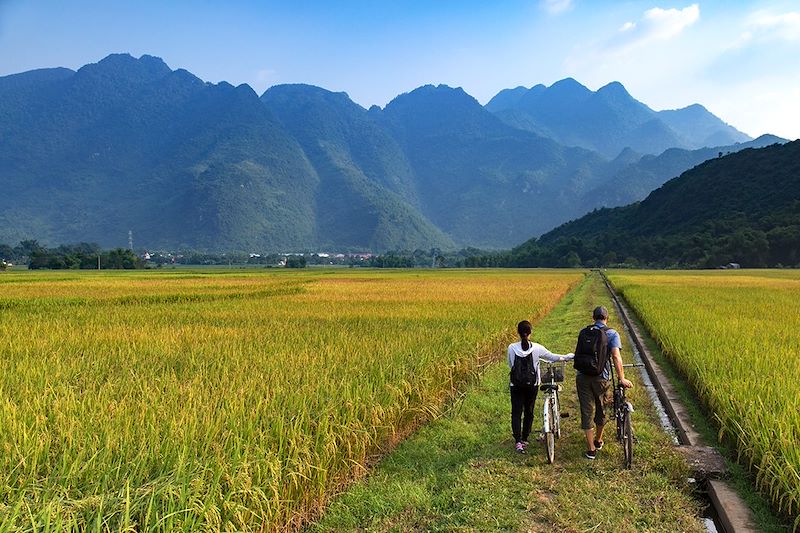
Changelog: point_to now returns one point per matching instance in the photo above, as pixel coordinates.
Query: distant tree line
(721, 243)
(69, 256)
(773, 241)
(748, 247)
(292, 260)
(436, 258)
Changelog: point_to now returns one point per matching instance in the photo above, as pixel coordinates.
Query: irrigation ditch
(727, 511)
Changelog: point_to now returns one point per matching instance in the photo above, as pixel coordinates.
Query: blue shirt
(613, 342)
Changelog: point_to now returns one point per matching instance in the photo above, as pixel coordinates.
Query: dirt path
(460, 473)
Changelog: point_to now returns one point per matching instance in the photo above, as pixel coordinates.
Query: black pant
(522, 400)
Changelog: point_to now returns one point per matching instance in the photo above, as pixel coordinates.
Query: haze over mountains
(130, 144)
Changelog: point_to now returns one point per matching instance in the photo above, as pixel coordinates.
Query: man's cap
(600, 313)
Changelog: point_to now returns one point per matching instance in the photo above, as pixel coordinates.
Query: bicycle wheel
(549, 435)
(627, 439)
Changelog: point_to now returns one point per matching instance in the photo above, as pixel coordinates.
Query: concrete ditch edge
(734, 514)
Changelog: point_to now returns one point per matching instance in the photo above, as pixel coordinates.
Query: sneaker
(591, 454)
(598, 445)
(525, 444)
(520, 447)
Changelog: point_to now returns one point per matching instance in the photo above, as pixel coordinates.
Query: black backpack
(523, 373)
(591, 353)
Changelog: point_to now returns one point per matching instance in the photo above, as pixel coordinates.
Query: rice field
(736, 338)
(196, 400)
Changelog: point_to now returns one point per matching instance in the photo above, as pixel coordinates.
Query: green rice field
(198, 400)
(736, 338)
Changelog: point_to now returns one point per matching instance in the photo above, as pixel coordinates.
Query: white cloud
(554, 7)
(784, 26)
(764, 28)
(656, 24)
(743, 40)
(742, 64)
(636, 50)
(772, 105)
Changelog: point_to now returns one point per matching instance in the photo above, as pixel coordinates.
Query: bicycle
(551, 417)
(622, 416)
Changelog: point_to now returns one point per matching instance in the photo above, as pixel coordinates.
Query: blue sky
(739, 59)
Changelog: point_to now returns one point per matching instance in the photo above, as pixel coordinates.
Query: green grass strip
(459, 473)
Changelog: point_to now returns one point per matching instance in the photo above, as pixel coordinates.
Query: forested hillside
(741, 208)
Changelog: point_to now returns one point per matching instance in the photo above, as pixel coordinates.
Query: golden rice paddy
(186, 400)
(736, 337)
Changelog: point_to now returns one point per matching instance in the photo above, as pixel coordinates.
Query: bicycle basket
(553, 372)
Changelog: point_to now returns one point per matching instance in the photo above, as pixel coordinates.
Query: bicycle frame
(551, 410)
(622, 417)
(551, 422)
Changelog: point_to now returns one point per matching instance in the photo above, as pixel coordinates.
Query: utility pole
(434, 253)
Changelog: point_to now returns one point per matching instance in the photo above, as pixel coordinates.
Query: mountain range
(609, 120)
(129, 144)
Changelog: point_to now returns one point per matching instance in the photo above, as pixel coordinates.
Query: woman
(523, 360)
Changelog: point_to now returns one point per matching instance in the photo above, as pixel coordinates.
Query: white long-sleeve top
(539, 352)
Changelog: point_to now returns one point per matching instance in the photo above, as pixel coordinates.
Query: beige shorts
(593, 395)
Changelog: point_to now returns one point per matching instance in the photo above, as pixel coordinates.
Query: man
(592, 382)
